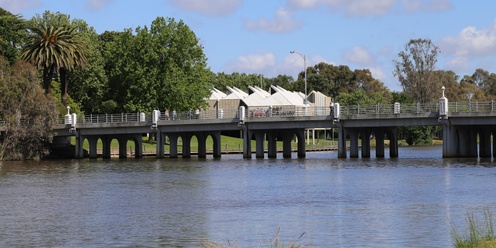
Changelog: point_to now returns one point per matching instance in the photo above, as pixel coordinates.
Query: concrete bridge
(468, 129)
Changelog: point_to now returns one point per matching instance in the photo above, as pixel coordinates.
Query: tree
(158, 67)
(27, 114)
(88, 84)
(283, 81)
(414, 70)
(12, 34)
(54, 49)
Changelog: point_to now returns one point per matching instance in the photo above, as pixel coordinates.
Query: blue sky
(256, 36)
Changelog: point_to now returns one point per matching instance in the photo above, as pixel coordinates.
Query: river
(412, 201)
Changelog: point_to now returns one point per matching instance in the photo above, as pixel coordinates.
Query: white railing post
(397, 108)
(337, 111)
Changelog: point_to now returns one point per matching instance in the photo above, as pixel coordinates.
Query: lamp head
(292, 52)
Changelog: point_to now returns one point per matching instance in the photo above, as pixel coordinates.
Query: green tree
(283, 81)
(88, 84)
(12, 35)
(26, 113)
(158, 67)
(421, 135)
(414, 70)
(54, 49)
(54, 46)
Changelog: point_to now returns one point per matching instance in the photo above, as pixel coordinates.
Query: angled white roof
(257, 97)
(217, 94)
(276, 96)
(235, 93)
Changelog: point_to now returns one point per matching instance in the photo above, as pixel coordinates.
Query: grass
(479, 234)
(273, 243)
(229, 144)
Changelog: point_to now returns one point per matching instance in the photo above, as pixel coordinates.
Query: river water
(412, 201)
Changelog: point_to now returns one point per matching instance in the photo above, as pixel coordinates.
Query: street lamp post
(305, 67)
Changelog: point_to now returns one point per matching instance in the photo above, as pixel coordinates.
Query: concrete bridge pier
(272, 144)
(173, 137)
(186, 138)
(468, 141)
(393, 142)
(302, 149)
(202, 147)
(271, 136)
(493, 131)
(106, 141)
(160, 139)
(342, 142)
(92, 141)
(138, 145)
(472, 142)
(379, 143)
(286, 144)
(450, 141)
(106, 153)
(79, 146)
(485, 143)
(246, 142)
(216, 136)
(366, 142)
(354, 134)
(259, 147)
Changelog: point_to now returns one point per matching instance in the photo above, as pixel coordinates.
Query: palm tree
(55, 50)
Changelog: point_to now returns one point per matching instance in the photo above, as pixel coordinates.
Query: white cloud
(17, 6)
(281, 23)
(210, 8)
(350, 7)
(378, 73)
(427, 5)
(252, 63)
(98, 4)
(268, 65)
(470, 44)
(372, 7)
(359, 55)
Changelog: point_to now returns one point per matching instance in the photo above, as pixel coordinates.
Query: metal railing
(381, 109)
(473, 107)
(287, 111)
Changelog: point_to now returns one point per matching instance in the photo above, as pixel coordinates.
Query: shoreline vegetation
(478, 233)
(232, 145)
(275, 242)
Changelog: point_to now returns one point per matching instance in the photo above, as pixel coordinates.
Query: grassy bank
(234, 145)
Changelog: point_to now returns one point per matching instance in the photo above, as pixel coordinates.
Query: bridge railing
(459, 107)
(376, 109)
(287, 111)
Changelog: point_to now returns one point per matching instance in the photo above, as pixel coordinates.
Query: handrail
(287, 111)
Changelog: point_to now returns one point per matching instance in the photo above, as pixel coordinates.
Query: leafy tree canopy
(414, 70)
(26, 112)
(12, 35)
(162, 66)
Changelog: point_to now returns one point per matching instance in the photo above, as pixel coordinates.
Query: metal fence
(377, 109)
(479, 107)
(287, 111)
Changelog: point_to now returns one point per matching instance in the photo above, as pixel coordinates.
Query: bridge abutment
(468, 141)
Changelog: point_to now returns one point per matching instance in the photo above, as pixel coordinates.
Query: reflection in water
(411, 201)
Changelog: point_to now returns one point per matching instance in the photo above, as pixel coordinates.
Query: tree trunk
(47, 79)
(63, 85)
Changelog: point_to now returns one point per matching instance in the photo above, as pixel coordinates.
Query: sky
(256, 36)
